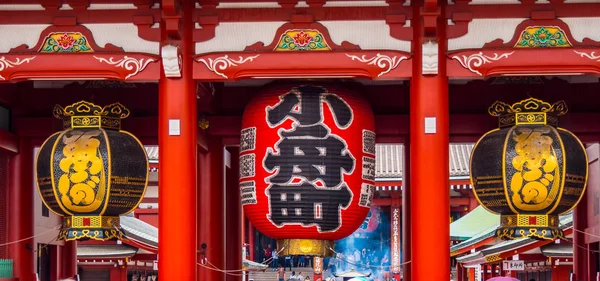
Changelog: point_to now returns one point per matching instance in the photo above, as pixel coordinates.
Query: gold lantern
(529, 170)
(92, 172)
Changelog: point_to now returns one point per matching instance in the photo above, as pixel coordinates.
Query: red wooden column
(406, 216)
(251, 238)
(211, 207)
(233, 211)
(459, 272)
(20, 211)
(177, 134)
(68, 263)
(395, 244)
(580, 254)
(429, 162)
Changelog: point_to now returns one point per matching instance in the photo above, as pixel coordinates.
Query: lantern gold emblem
(92, 172)
(529, 170)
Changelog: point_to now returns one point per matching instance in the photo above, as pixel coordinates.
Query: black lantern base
(538, 233)
(101, 234)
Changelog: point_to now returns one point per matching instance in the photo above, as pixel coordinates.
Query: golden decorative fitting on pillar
(203, 124)
(310, 247)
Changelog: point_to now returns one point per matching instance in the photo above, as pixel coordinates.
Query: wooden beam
(463, 127)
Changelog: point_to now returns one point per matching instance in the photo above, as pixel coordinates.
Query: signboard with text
(513, 265)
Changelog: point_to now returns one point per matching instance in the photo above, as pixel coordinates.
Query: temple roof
(105, 251)
(390, 160)
(566, 221)
(139, 230)
(557, 250)
(477, 222)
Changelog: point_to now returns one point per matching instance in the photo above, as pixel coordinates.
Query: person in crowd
(293, 276)
(281, 274)
(307, 278)
(299, 277)
(267, 253)
(288, 262)
(275, 261)
(301, 261)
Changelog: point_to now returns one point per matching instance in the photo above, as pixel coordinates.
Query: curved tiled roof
(139, 230)
(390, 159)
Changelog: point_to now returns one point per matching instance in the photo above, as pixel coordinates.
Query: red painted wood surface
(429, 161)
(20, 211)
(233, 224)
(211, 207)
(178, 162)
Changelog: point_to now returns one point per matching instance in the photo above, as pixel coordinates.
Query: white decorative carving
(591, 55)
(221, 63)
(430, 57)
(171, 61)
(474, 61)
(134, 65)
(384, 62)
(4, 63)
(482, 31)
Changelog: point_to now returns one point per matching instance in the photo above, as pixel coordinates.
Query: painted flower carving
(302, 39)
(66, 41)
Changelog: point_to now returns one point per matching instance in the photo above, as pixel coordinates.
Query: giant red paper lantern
(307, 165)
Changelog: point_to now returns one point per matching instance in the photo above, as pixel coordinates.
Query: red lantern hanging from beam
(307, 165)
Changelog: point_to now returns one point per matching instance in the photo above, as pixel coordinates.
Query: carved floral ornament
(66, 42)
(475, 61)
(543, 37)
(302, 40)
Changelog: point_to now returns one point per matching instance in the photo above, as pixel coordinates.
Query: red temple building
(187, 70)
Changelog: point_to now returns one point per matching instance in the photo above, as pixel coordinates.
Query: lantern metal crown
(85, 114)
(529, 170)
(530, 111)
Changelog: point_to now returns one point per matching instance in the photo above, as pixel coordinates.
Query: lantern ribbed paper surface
(307, 165)
(529, 171)
(91, 173)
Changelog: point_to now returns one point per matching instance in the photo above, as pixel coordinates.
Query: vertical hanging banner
(396, 243)
(307, 165)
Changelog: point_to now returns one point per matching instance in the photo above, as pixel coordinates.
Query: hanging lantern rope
(38, 235)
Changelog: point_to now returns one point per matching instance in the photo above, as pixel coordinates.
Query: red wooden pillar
(251, 240)
(592, 250)
(429, 162)
(177, 139)
(124, 271)
(233, 211)
(68, 263)
(459, 272)
(580, 254)
(406, 217)
(20, 211)
(395, 244)
(211, 206)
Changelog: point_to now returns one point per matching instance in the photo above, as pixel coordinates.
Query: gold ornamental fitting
(308, 247)
(91, 222)
(85, 114)
(530, 111)
(529, 220)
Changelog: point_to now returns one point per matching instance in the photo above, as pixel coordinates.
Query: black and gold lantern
(529, 171)
(92, 172)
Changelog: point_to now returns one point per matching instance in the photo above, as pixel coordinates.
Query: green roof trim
(473, 224)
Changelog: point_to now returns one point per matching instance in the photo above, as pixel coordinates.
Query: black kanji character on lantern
(304, 104)
(308, 151)
(312, 159)
(307, 205)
